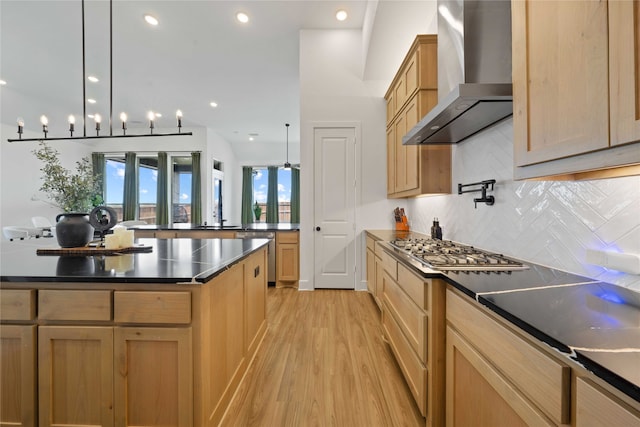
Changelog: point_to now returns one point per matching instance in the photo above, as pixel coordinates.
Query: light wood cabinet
(576, 88)
(595, 407)
(18, 373)
(287, 258)
(413, 319)
(497, 377)
(413, 170)
(153, 376)
(374, 285)
(75, 376)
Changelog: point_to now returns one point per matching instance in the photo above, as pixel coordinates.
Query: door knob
(317, 228)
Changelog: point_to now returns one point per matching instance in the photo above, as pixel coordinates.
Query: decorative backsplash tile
(545, 222)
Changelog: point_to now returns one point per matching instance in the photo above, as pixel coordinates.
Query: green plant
(78, 192)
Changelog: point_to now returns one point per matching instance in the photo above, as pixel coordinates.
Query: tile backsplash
(545, 222)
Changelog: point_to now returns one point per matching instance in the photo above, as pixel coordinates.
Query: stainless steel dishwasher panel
(271, 250)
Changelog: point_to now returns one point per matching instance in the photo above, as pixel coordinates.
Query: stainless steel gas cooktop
(445, 255)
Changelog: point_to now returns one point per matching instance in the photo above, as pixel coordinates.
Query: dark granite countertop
(170, 261)
(593, 323)
(258, 226)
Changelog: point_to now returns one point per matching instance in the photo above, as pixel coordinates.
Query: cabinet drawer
(74, 305)
(413, 370)
(411, 319)
(390, 265)
(17, 304)
(414, 286)
(371, 243)
(152, 307)
(287, 237)
(543, 380)
(595, 407)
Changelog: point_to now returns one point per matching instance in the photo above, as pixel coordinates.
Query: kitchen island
(283, 251)
(536, 346)
(161, 337)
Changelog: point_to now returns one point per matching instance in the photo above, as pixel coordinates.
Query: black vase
(73, 229)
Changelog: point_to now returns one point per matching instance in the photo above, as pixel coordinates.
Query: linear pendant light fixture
(287, 165)
(123, 117)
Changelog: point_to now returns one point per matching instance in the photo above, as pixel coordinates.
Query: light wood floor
(323, 362)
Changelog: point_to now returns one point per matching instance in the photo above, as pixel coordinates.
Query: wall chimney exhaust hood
(474, 72)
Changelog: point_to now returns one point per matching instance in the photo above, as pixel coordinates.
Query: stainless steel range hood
(474, 71)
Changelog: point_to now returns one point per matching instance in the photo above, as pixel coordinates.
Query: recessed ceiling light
(91, 100)
(250, 138)
(242, 17)
(341, 15)
(90, 116)
(157, 114)
(151, 20)
(213, 104)
(2, 83)
(93, 79)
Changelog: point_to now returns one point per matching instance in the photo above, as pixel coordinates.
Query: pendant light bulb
(72, 122)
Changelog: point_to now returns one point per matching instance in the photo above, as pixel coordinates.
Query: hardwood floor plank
(323, 362)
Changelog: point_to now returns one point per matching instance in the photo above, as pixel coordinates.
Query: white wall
(332, 90)
(20, 176)
(546, 222)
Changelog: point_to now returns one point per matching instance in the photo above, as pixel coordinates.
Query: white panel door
(335, 196)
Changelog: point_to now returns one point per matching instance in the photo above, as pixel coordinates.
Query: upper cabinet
(413, 170)
(576, 88)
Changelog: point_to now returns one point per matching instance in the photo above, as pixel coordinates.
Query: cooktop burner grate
(446, 255)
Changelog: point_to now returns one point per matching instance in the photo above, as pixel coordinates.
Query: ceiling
(198, 54)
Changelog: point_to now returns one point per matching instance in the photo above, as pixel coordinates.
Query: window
(147, 169)
(147, 189)
(181, 188)
(260, 186)
(114, 184)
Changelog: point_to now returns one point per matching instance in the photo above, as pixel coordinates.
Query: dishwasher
(271, 250)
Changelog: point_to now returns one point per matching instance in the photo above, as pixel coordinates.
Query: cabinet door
(391, 160)
(18, 373)
(624, 71)
(75, 376)
(379, 276)
(371, 272)
(406, 156)
(560, 79)
(287, 269)
(478, 395)
(256, 299)
(153, 377)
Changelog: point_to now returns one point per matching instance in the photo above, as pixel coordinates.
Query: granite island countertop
(593, 323)
(257, 226)
(169, 261)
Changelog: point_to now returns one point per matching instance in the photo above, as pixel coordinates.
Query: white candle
(126, 238)
(112, 241)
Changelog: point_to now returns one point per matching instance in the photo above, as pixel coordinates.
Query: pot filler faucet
(484, 187)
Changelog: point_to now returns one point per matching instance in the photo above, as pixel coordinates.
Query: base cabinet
(413, 321)
(287, 258)
(129, 354)
(497, 377)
